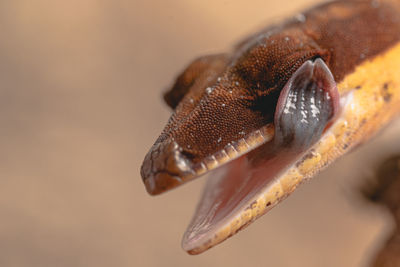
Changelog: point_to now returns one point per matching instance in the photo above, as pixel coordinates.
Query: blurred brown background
(80, 105)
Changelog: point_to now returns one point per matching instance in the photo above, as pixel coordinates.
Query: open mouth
(258, 156)
(244, 183)
(247, 187)
(252, 174)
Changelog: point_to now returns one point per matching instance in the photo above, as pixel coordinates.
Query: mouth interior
(231, 188)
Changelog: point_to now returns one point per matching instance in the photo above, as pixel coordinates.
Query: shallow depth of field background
(80, 105)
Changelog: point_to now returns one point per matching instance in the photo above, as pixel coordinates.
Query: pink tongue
(230, 189)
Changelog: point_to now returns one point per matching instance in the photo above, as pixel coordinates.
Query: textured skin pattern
(190, 79)
(221, 98)
(259, 69)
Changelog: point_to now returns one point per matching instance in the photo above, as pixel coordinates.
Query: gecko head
(267, 118)
(225, 108)
(245, 121)
(252, 133)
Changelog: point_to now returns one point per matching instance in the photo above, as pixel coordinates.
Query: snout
(165, 167)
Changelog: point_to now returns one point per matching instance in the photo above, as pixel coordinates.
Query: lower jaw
(240, 192)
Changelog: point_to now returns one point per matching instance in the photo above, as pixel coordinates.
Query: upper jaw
(166, 166)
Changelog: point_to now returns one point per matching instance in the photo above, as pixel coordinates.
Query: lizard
(285, 103)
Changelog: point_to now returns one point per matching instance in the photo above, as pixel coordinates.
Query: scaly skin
(224, 108)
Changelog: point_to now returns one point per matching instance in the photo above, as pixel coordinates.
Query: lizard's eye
(306, 104)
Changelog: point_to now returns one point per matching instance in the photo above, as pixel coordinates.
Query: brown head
(228, 106)
(268, 114)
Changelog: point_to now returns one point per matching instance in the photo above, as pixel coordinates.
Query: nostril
(190, 155)
(165, 167)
